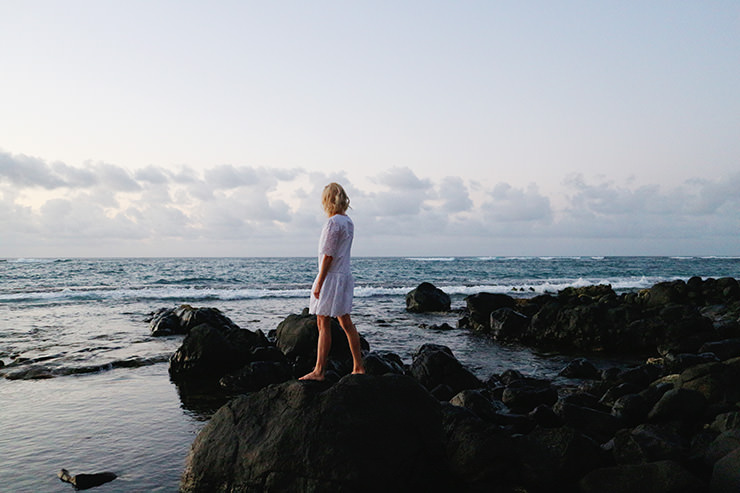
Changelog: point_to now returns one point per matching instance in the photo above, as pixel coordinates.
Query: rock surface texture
(314, 437)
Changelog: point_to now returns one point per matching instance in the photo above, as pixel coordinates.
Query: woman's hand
(323, 270)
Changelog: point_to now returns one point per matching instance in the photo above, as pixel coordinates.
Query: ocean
(84, 386)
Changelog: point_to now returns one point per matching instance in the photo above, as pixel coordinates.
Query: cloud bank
(100, 209)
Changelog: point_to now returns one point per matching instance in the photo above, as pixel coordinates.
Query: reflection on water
(127, 421)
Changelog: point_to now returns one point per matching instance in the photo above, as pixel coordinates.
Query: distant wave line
(229, 294)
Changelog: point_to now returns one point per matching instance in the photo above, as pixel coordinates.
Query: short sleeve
(332, 239)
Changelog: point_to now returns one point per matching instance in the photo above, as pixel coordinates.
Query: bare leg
(354, 343)
(322, 351)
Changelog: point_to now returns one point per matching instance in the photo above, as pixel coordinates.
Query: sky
(183, 128)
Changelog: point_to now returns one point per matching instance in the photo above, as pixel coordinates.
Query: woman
(332, 291)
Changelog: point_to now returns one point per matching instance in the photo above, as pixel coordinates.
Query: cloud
(25, 171)
(242, 210)
(402, 179)
(454, 195)
(509, 204)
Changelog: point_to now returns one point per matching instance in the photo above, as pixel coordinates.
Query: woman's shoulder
(340, 219)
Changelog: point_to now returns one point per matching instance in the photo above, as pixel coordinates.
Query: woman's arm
(323, 270)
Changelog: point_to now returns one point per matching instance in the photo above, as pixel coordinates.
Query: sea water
(85, 387)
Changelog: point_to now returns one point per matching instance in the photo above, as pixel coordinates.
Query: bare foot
(360, 371)
(314, 375)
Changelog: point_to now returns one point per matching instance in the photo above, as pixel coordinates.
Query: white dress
(335, 298)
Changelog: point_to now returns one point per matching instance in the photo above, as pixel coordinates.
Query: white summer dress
(335, 298)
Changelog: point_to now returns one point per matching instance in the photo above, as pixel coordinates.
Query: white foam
(431, 259)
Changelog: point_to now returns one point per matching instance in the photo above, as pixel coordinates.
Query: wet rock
(723, 444)
(594, 422)
(434, 365)
(364, 433)
(580, 368)
(655, 477)
(479, 454)
(480, 405)
(86, 481)
(708, 379)
(649, 443)
(724, 349)
(507, 324)
(480, 306)
(665, 293)
(170, 321)
(256, 375)
(443, 392)
(586, 294)
(545, 417)
(427, 298)
(617, 391)
(726, 474)
(297, 336)
(726, 421)
(525, 394)
(382, 362)
(676, 363)
(207, 352)
(554, 458)
(679, 404)
(631, 409)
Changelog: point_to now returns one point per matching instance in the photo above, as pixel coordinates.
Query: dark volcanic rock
(525, 394)
(382, 362)
(475, 402)
(481, 305)
(208, 352)
(365, 433)
(256, 375)
(724, 349)
(427, 298)
(479, 453)
(655, 477)
(649, 443)
(595, 423)
(726, 474)
(553, 458)
(297, 337)
(435, 365)
(507, 324)
(581, 368)
(679, 404)
(86, 481)
(668, 318)
(169, 321)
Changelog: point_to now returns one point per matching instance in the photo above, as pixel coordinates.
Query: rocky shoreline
(670, 424)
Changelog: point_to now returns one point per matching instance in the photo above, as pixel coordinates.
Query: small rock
(86, 481)
(655, 477)
(427, 298)
(580, 368)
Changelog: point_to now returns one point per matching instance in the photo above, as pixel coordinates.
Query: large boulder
(427, 298)
(211, 352)
(365, 433)
(726, 473)
(480, 306)
(554, 458)
(507, 324)
(478, 452)
(171, 321)
(297, 337)
(655, 477)
(649, 443)
(435, 365)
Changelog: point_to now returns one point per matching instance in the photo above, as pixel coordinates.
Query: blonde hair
(334, 199)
